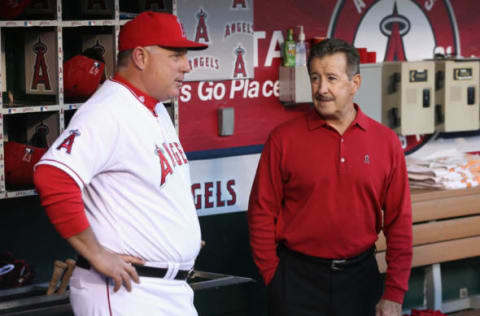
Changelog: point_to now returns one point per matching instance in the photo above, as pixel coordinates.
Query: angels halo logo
(397, 29)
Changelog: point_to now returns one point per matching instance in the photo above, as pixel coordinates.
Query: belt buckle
(191, 274)
(335, 264)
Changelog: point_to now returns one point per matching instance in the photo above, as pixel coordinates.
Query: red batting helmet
(19, 162)
(14, 272)
(10, 9)
(82, 76)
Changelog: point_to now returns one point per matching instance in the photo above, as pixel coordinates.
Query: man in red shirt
(326, 184)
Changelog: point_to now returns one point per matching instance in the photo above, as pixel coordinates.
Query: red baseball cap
(82, 76)
(155, 28)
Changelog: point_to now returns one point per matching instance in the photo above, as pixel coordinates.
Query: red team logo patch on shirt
(68, 142)
(366, 159)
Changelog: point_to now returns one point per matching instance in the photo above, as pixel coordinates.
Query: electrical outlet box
(463, 292)
(408, 99)
(457, 106)
(226, 121)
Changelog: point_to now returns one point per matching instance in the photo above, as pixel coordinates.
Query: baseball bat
(58, 268)
(66, 276)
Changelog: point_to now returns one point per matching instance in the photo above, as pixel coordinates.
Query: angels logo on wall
(222, 25)
(239, 70)
(40, 68)
(40, 63)
(201, 33)
(394, 28)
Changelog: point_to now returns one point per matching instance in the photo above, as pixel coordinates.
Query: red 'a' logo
(68, 142)
(165, 167)
(40, 71)
(100, 4)
(202, 31)
(239, 68)
(239, 2)
(154, 4)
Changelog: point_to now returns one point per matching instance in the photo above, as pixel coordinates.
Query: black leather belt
(333, 264)
(144, 271)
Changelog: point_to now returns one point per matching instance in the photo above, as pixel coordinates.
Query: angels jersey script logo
(397, 29)
(177, 158)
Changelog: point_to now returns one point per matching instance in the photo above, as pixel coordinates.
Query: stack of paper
(455, 171)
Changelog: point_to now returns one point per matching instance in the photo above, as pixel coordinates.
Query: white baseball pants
(91, 294)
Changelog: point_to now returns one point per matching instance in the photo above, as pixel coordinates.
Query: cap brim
(190, 45)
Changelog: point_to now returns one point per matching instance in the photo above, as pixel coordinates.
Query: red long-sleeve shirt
(62, 199)
(329, 195)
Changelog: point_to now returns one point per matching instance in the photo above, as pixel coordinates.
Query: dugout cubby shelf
(58, 31)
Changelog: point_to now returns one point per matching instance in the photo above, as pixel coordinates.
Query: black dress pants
(304, 287)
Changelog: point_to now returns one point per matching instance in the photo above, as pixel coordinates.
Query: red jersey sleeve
(62, 199)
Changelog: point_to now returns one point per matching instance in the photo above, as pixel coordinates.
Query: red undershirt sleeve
(62, 199)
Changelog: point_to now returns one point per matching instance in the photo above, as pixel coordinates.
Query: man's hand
(388, 308)
(117, 267)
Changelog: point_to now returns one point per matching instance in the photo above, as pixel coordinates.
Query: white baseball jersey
(134, 176)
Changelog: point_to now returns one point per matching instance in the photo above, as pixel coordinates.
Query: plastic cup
(362, 51)
(371, 57)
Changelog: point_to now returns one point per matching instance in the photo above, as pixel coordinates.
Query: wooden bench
(446, 227)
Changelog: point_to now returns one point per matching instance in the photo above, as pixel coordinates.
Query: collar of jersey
(141, 96)
(316, 121)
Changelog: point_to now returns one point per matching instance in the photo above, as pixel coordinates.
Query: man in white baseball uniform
(116, 183)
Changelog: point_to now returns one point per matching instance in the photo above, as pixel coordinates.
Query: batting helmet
(19, 162)
(10, 9)
(82, 76)
(20, 158)
(14, 272)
